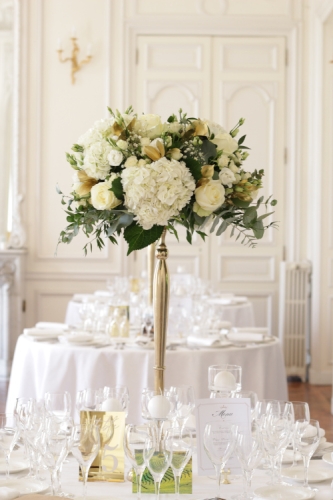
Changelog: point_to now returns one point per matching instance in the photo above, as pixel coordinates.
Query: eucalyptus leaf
(240, 203)
(215, 223)
(250, 215)
(264, 216)
(222, 228)
(258, 229)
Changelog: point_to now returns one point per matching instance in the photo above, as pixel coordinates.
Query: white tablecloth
(239, 315)
(39, 367)
(203, 487)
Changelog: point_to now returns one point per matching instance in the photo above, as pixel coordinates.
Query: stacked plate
(81, 338)
(45, 331)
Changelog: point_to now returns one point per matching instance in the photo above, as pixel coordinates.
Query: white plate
(328, 458)
(15, 465)
(280, 492)
(218, 345)
(316, 474)
(25, 485)
(288, 457)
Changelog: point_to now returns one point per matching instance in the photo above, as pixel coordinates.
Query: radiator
(294, 316)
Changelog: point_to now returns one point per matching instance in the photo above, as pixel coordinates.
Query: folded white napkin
(311, 431)
(251, 329)
(8, 493)
(78, 337)
(245, 337)
(81, 297)
(203, 341)
(41, 333)
(48, 325)
(220, 301)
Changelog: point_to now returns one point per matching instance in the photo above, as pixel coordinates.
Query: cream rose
(210, 195)
(122, 144)
(223, 161)
(115, 157)
(132, 161)
(102, 198)
(225, 142)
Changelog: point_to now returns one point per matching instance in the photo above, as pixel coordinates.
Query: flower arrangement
(136, 175)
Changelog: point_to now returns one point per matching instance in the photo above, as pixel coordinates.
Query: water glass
(9, 434)
(58, 403)
(219, 444)
(157, 455)
(301, 412)
(249, 454)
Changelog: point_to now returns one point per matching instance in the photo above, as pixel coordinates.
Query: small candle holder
(224, 380)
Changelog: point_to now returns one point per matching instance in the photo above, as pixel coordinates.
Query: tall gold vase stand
(161, 292)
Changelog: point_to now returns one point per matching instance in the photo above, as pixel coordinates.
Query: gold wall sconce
(76, 65)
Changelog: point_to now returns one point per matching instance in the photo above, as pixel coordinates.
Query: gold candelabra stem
(161, 307)
(74, 58)
(150, 272)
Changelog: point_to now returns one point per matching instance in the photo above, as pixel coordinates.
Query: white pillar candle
(111, 404)
(159, 407)
(225, 380)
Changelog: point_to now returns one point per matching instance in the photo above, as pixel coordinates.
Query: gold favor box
(109, 465)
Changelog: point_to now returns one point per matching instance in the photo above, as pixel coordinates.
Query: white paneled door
(225, 78)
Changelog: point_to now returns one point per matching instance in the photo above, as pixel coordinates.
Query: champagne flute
(307, 436)
(134, 441)
(157, 456)
(180, 442)
(85, 446)
(185, 403)
(219, 443)
(58, 403)
(9, 434)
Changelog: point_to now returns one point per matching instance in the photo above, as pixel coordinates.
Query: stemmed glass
(85, 446)
(180, 442)
(219, 443)
(185, 403)
(134, 441)
(252, 396)
(157, 456)
(58, 403)
(301, 412)
(249, 454)
(307, 436)
(9, 434)
(22, 410)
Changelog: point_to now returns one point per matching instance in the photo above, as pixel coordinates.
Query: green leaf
(259, 202)
(250, 215)
(264, 216)
(222, 228)
(273, 203)
(258, 229)
(117, 188)
(241, 140)
(58, 189)
(208, 148)
(240, 203)
(125, 220)
(199, 220)
(203, 235)
(194, 167)
(138, 238)
(215, 223)
(189, 237)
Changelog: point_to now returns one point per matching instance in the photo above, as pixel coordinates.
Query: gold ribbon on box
(109, 465)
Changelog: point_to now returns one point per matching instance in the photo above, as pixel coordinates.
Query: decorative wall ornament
(76, 65)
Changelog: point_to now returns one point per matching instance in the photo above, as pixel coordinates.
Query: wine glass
(252, 396)
(249, 454)
(285, 411)
(157, 456)
(219, 443)
(58, 403)
(9, 434)
(180, 442)
(301, 412)
(134, 441)
(307, 436)
(85, 446)
(276, 429)
(185, 403)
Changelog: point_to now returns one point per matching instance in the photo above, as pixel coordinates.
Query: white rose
(225, 142)
(148, 125)
(223, 161)
(122, 144)
(227, 177)
(214, 128)
(132, 161)
(102, 198)
(115, 157)
(210, 196)
(173, 127)
(142, 163)
(237, 178)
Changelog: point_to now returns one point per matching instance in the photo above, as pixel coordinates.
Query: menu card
(232, 410)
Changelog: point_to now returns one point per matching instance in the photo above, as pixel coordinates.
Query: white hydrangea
(98, 132)
(156, 192)
(96, 163)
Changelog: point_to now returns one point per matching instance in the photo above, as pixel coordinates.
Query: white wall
(55, 113)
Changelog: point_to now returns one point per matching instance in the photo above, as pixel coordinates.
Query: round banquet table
(39, 367)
